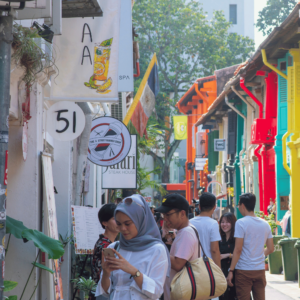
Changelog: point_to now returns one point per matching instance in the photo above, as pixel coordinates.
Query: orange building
(194, 103)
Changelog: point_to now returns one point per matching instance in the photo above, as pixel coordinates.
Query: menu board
(86, 228)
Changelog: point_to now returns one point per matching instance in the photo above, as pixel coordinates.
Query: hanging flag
(144, 100)
(180, 127)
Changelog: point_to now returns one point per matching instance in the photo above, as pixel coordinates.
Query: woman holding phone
(141, 264)
(227, 225)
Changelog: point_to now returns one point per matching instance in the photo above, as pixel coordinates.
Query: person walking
(175, 209)
(248, 260)
(107, 221)
(227, 225)
(142, 261)
(208, 228)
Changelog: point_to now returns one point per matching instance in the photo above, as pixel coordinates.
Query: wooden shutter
(232, 128)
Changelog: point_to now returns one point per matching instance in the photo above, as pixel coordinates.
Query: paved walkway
(278, 288)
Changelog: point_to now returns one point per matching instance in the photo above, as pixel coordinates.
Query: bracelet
(230, 255)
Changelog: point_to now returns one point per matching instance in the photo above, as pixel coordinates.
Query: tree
(275, 12)
(187, 46)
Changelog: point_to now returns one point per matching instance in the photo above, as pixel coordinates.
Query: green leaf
(9, 285)
(42, 267)
(52, 247)
(12, 298)
(106, 43)
(14, 227)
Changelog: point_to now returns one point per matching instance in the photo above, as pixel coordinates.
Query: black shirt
(226, 247)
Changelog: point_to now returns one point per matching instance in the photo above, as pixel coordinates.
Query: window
(233, 13)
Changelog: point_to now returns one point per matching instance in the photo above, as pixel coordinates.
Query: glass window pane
(233, 13)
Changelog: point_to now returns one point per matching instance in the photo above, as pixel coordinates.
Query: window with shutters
(116, 109)
(233, 13)
(232, 129)
(213, 156)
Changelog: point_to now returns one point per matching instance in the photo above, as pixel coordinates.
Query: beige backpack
(200, 279)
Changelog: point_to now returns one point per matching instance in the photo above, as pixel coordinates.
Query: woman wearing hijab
(142, 261)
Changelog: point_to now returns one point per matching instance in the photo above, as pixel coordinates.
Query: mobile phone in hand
(108, 252)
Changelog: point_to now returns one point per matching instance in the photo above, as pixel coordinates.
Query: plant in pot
(86, 285)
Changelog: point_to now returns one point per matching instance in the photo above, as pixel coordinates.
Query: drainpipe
(83, 150)
(257, 149)
(249, 160)
(285, 136)
(244, 139)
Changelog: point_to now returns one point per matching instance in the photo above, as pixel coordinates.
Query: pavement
(278, 288)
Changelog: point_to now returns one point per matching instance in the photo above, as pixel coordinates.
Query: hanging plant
(28, 54)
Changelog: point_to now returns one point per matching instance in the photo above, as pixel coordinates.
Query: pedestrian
(175, 209)
(108, 223)
(227, 225)
(270, 207)
(284, 223)
(248, 260)
(191, 211)
(168, 235)
(208, 228)
(141, 261)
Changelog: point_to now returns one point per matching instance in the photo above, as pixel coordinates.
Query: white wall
(24, 196)
(245, 14)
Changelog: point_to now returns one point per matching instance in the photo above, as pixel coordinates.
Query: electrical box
(263, 131)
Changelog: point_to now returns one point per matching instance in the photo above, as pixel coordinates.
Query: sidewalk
(287, 288)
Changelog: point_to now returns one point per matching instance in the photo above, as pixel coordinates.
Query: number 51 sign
(65, 121)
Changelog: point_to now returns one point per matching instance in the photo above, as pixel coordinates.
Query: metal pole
(6, 38)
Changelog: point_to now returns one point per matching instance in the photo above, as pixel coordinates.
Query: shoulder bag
(200, 279)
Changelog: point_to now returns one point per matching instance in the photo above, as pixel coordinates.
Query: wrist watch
(137, 274)
(229, 270)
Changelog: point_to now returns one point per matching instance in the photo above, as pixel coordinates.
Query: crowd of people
(155, 244)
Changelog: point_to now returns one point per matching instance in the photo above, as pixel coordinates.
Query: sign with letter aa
(109, 142)
(65, 121)
(87, 57)
(219, 144)
(123, 174)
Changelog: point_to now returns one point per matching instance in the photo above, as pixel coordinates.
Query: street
(277, 288)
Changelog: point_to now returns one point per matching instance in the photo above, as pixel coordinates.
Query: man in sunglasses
(175, 209)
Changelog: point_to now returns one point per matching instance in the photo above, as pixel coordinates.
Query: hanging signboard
(122, 175)
(109, 142)
(52, 229)
(65, 121)
(86, 228)
(199, 163)
(219, 144)
(125, 77)
(25, 140)
(87, 57)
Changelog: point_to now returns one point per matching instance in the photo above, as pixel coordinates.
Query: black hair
(249, 200)
(231, 218)
(207, 201)
(106, 212)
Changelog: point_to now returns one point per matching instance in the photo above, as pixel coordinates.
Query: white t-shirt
(255, 232)
(185, 246)
(208, 230)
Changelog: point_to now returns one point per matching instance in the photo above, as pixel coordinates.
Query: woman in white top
(142, 262)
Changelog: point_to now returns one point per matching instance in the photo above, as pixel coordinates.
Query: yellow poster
(180, 127)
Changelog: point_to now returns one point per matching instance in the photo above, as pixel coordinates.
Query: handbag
(200, 279)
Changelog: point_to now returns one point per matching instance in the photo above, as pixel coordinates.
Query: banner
(180, 127)
(87, 57)
(122, 175)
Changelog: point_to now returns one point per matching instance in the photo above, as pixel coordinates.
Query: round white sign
(110, 141)
(65, 121)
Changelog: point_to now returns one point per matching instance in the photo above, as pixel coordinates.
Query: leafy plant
(85, 285)
(205, 46)
(269, 218)
(65, 240)
(28, 54)
(273, 14)
(9, 286)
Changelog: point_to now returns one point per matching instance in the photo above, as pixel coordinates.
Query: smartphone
(171, 232)
(108, 252)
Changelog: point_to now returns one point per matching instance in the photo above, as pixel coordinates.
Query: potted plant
(267, 264)
(85, 285)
